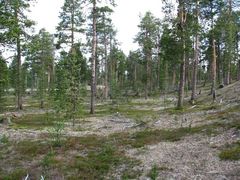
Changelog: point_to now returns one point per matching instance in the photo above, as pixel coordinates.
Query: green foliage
(15, 25)
(13, 73)
(96, 164)
(48, 159)
(115, 90)
(56, 133)
(30, 149)
(3, 81)
(153, 174)
(148, 32)
(4, 139)
(35, 121)
(231, 152)
(70, 82)
(40, 62)
(71, 21)
(147, 137)
(17, 173)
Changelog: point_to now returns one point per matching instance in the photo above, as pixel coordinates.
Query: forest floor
(131, 139)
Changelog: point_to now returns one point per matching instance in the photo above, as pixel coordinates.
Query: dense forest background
(181, 52)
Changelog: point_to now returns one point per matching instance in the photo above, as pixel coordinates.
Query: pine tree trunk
(93, 65)
(42, 88)
(187, 74)
(219, 65)
(166, 77)
(158, 71)
(214, 58)
(182, 18)
(105, 64)
(237, 49)
(196, 60)
(195, 69)
(135, 75)
(147, 86)
(174, 78)
(229, 44)
(72, 22)
(19, 67)
(182, 80)
(158, 61)
(238, 77)
(32, 81)
(238, 65)
(19, 78)
(49, 80)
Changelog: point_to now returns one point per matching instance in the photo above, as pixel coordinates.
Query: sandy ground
(194, 157)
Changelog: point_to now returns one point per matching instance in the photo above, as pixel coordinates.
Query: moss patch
(148, 137)
(35, 121)
(230, 152)
(97, 163)
(30, 149)
(17, 173)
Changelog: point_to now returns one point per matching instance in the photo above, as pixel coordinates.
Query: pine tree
(146, 39)
(40, 57)
(15, 20)
(3, 81)
(71, 23)
(182, 17)
(94, 51)
(196, 56)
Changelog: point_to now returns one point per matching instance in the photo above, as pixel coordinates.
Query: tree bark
(219, 64)
(238, 77)
(166, 81)
(93, 65)
(147, 86)
(19, 79)
(135, 75)
(106, 62)
(229, 44)
(19, 66)
(182, 18)
(72, 22)
(214, 58)
(196, 60)
(238, 66)
(158, 62)
(174, 78)
(182, 80)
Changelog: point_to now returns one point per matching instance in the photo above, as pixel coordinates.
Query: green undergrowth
(96, 164)
(30, 149)
(230, 152)
(192, 108)
(95, 157)
(35, 121)
(226, 115)
(18, 173)
(153, 174)
(149, 137)
(89, 157)
(124, 109)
